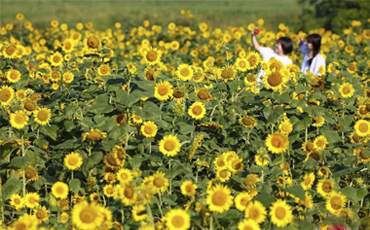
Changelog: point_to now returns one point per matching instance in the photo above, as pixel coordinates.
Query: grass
(105, 13)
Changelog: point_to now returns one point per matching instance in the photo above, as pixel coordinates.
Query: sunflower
(227, 73)
(120, 119)
(251, 79)
(242, 64)
(277, 143)
(184, 72)
(346, 90)
(253, 59)
(104, 69)
(275, 81)
(325, 187)
(149, 129)
(94, 197)
(242, 200)
(362, 128)
(286, 127)
(250, 181)
(42, 116)
(307, 202)
(108, 190)
(223, 175)
(112, 162)
(29, 106)
(203, 94)
(197, 110)
(110, 177)
(119, 154)
(319, 121)
(139, 213)
(127, 193)
(60, 190)
(320, 142)
(31, 174)
(170, 145)
(94, 135)
(235, 165)
(335, 202)
(177, 219)
(163, 91)
(152, 56)
(87, 216)
(219, 198)
(68, 77)
(247, 224)
(13, 76)
(323, 171)
(56, 59)
(261, 160)
(160, 182)
(308, 146)
(68, 46)
(42, 214)
(92, 42)
(308, 180)
(64, 217)
(32, 200)
(247, 121)
(281, 213)
(188, 188)
(360, 153)
(26, 222)
(124, 175)
(255, 211)
(16, 201)
(10, 51)
(6, 95)
(73, 161)
(18, 119)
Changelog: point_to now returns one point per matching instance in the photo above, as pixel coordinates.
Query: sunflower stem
(211, 223)
(305, 135)
(122, 215)
(282, 161)
(160, 203)
(24, 171)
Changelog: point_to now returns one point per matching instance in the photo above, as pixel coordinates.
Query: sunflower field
(169, 127)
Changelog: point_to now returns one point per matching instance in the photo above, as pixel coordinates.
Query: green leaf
(21, 162)
(345, 121)
(301, 89)
(185, 128)
(75, 185)
(68, 144)
(361, 193)
(297, 191)
(350, 193)
(150, 111)
(12, 186)
(265, 198)
(5, 150)
(366, 152)
(50, 131)
(69, 125)
(128, 99)
(331, 136)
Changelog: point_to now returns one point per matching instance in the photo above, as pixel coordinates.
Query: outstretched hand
(255, 31)
(300, 41)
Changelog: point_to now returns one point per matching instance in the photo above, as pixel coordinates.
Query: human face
(279, 49)
(309, 46)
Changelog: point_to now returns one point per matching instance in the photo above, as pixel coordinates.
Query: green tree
(332, 15)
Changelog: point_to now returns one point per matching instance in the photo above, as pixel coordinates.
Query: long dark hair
(315, 40)
(286, 44)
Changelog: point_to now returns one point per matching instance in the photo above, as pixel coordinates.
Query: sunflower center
(40, 215)
(151, 55)
(285, 128)
(185, 72)
(242, 64)
(21, 226)
(55, 75)
(93, 42)
(72, 161)
(244, 201)
(326, 187)
(178, 93)
(56, 59)
(30, 174)
(236, 165)
(223, 174)
(67, 45)
(158, 182)
(227, 73)
(163, 90)
(277, 142)
(169, 145)
(17, 201)
(121, 119)
(19, 119)
(314, 155)
(280, 213)
(30, 106)
(129, 192)
(363, 156)
(60, 190)
(254, 213)
(320, 143)
(10, 50)
(310, 146)
(307, 181)
(124, 176)
(87, 215)
(252, 61)
(5, 95)
(32, 200)
(336, 202)
(178, 221)
(93, 136)
(104, 70)
(345, 90)
(275, 79)
(203, 94)
(219, 198)
(14, 75)
(189, 188)
(148, 129)
(363, 127)
(247, 121)
(197, 110)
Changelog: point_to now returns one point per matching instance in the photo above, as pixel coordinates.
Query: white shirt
(317, 61)
(267, 54)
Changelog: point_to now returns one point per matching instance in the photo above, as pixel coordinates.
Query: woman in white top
(312, 60)
(284, 46)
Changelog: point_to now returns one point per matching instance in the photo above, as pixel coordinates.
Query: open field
(105, 13)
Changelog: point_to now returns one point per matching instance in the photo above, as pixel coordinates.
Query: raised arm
(302, 46)
(256, 45)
